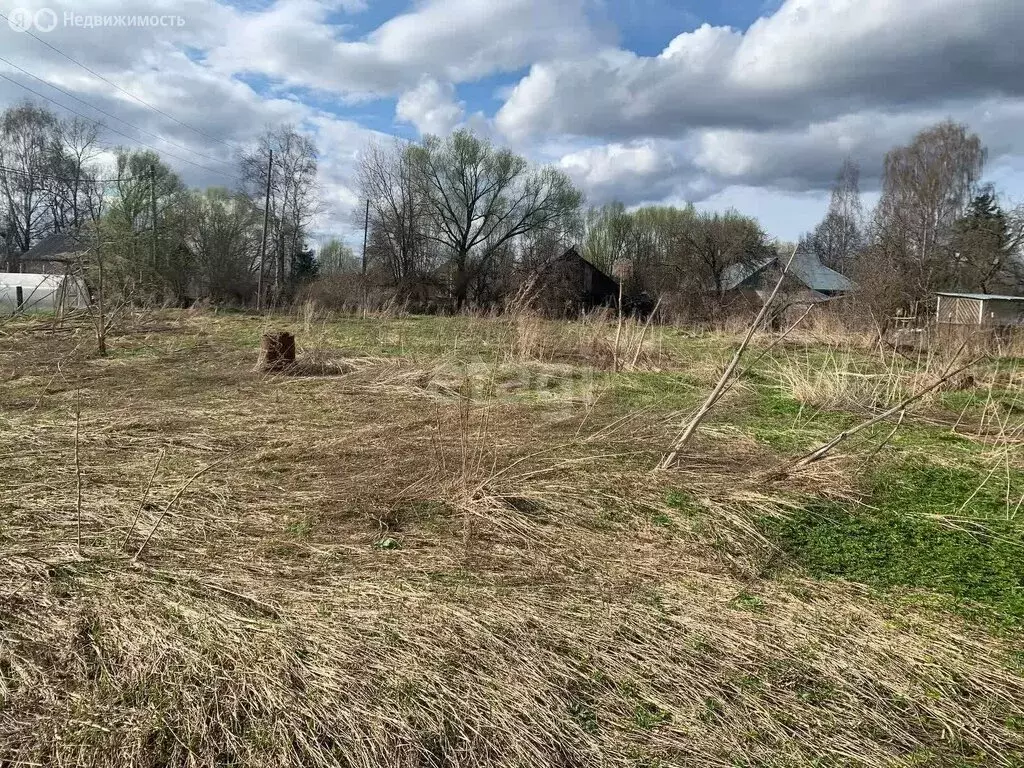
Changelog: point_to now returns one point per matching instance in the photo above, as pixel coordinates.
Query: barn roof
(805, 267)
(571, 253)
(981, 296)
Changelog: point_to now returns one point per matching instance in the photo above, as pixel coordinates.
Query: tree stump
(277, 352)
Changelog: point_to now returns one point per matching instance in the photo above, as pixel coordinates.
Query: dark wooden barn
(568, 283)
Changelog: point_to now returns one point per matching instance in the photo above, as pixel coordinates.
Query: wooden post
(19, 295)
(277, 352)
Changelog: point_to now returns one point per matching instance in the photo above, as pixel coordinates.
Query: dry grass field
(439, 542)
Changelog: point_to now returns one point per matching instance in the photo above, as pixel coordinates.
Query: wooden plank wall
(958, 311)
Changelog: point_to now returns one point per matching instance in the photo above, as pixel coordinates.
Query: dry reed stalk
(824, 449)
(145, 495)
(691, 427)
(767, 350)
(177, 496)
(885, 441)
(643, 333)
(78, 468)
(618, 332)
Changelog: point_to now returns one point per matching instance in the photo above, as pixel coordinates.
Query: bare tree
(134, 266)
(717, 242)
(479, 198)
(926, 189)
(26, 140)
(223, 235)
(607, 233)
(399, 246)
(336, 258)
(294, 194)
(840, 235)
(74, 190)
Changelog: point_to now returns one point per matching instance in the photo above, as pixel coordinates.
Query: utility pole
(263, 243)
(152, 205)
(366, 232)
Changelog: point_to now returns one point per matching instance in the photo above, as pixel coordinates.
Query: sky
(745, 104)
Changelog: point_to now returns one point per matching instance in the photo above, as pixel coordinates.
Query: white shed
(979, 309)
(39, 293)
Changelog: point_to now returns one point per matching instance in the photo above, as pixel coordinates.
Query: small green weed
(649, 716)
(745, 601)
(583, 712)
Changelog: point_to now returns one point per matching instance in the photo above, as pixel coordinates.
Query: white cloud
(341, 143)
(632, 171)
(811, 60)
(720, 114)
(449, 40)
(757, 169)
(808, 156)
(431, 107)
(152, 63)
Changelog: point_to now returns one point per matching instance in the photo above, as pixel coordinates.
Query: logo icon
(20, 19)
(45, 19)
(23, 20)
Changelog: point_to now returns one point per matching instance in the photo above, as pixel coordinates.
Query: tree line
(459, 218)
(131, 216)
(457, 221)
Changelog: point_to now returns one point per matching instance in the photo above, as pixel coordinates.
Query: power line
(54, 177)
(119, 133)
(109, 114)
(131, 95)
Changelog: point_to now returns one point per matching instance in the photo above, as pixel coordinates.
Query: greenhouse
(39, 293)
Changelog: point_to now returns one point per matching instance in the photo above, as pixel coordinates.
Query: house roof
(817, 276)
(980, 296)
(805, 267)
(60, 246)
(571, 253)
(736, 274)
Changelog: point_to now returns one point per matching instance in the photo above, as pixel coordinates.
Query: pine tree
(304, 266)
(982, 244)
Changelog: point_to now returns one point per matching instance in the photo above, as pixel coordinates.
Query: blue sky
(752, 104)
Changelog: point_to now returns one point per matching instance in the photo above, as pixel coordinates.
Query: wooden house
(808, 281)
(568, 283)
(55, 254)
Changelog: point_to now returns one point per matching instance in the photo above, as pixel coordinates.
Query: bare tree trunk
(691, 427)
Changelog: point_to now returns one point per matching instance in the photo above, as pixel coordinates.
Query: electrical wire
(131, 95)
(83, 178)
(109, 114)
(120, 133)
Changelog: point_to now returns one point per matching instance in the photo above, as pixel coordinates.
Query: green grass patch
(784, 423)
(668, 391)
(975, 553)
